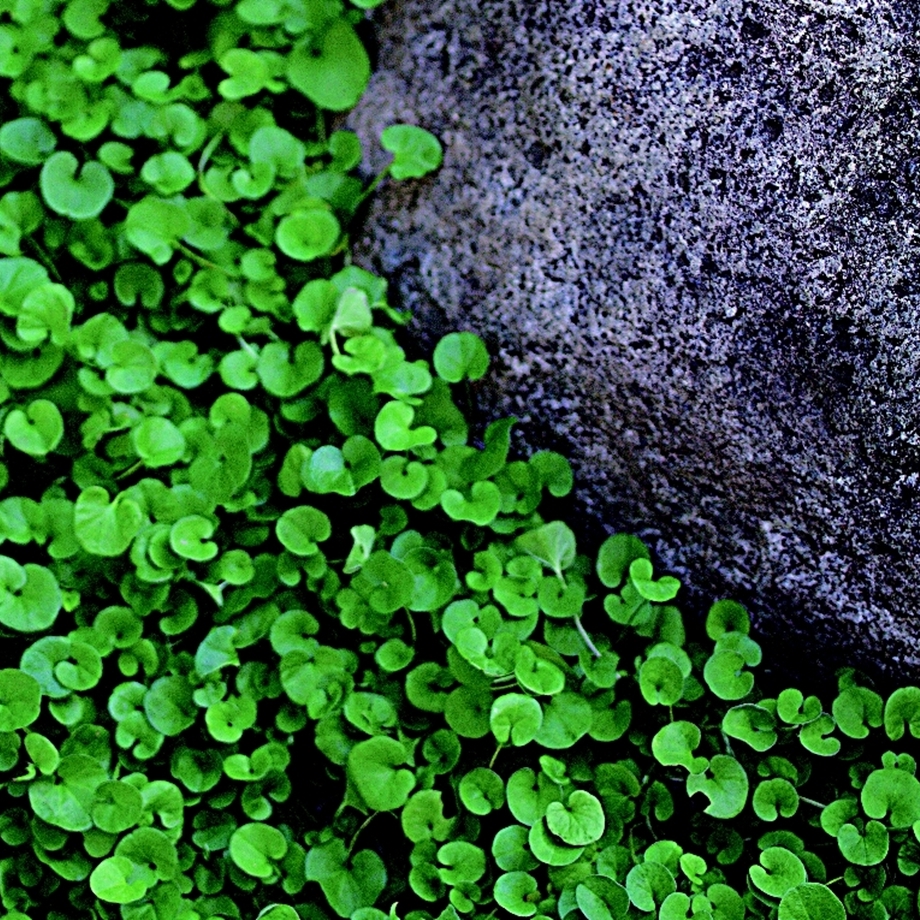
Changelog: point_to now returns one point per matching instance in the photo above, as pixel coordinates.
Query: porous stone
(688, 231)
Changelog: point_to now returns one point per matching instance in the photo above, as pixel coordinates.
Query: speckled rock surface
(688, 230)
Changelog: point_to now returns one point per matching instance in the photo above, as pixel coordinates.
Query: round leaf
(76, 196)
(375, 767)
(256, 847)
(333, 72)
(37, 430)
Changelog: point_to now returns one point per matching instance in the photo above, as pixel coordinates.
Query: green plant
(280, 641)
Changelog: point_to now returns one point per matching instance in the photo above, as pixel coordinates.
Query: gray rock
(688, 231)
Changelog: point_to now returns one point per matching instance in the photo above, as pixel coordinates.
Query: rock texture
(688, 231)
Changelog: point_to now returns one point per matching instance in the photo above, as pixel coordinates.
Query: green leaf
(903, 709)
(648, 884)
(856, 710)
(20, 699)
(256, 848)
(37, 430)
(661, 681)
(753, 724)
(423, 817)
(516, 893)
(104, 528)
(673, 746)
(248, 73)
(300, 529)
(793, 708)
(463, 862)
(394, 655)
(660, 590)
(480, 508)
(416, 152)
(566, 718)
(333, 71)
(774, 797)
(515, 717)
(168, 705)
(811, 901)
(813, 737)
(553, 544)
(385, 582)
(217, 651)
(118, 880)
(393, 428)
(779, 871)
(601, 898)
(727, 616)
(30, 597)
(169, 172)
(892, 794)
(155, 226)
(227, 720)
(375, 768)
(76, 196)
(27, 140)
(540, 677)
(117, 806)
(482, 791)
(511, 851)
(616, 555)
(868, 847)
(460, 356)
(725, 784)
(725, 675)
(307, 234)
(68, 803)
(347, 889)
(43, 753)
(188, 538)
(158, 442)
(579, 821)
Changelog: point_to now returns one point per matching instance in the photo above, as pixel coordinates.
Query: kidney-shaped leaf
(894, 794)
(118, 880)
(30, 596)
(376, 768)
(256, 847)
(579, 821)
(332, 72)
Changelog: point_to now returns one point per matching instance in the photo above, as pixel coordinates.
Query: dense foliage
(279, 640)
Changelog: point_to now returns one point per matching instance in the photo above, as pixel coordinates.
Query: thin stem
(584, 635)
(354, 838)
(495, 755)
(195, 257)
(374, 183)
(247, 346)
(802, 798)
(411, 625)
(43, 255)
(209, 148)
(130, 469)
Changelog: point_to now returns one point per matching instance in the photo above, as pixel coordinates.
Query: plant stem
(43, 255)
(584, 635)
(411, 625)
(200, 260)
(494, 756)
(802, 798)
(354, 838)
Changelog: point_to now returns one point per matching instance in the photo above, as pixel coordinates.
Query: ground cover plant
(283, 635)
